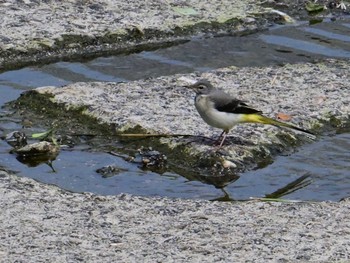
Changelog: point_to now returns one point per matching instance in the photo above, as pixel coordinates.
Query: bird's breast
(213, 117)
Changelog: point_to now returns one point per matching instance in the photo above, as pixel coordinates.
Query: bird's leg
(217, 141)
(223, 139)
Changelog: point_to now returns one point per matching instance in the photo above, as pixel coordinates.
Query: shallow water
(326, 162)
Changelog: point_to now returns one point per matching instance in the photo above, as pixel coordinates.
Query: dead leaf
(320, 99)
(283, 117)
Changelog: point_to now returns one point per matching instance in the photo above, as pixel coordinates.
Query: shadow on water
(319, 171)
(316, 172)
(297, 184)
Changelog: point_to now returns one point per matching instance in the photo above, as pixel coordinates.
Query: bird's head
(201, 87)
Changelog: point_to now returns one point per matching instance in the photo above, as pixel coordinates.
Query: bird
(221, 110)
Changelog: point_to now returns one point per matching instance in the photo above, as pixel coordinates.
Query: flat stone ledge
(34, 31)
(43, 223)
(314, 95)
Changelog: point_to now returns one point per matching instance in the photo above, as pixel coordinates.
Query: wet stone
(16, 139)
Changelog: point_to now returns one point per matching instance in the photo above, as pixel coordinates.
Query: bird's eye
(201, 87)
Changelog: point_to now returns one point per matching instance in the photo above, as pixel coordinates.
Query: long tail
(256, 118)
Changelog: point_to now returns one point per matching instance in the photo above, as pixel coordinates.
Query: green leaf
(312, 7)
(187, 11)
(41, 134)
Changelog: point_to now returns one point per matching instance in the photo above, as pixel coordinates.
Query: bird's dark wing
(235, 106)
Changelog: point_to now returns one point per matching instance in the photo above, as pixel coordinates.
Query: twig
(152, 135)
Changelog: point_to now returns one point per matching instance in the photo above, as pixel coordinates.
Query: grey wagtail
(220, 110)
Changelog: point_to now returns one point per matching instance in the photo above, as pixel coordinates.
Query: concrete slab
(43, 223)
(34, 31)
